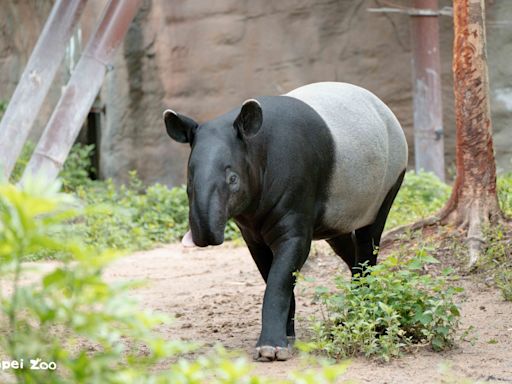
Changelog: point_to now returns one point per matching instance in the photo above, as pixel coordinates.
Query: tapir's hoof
(268, 353)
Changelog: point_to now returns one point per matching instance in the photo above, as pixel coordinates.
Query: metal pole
(81, 90)
(36, 79)
(428, 110)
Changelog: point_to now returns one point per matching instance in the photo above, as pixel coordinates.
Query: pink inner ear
(187, 240)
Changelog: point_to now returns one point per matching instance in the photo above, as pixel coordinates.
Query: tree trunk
(474, 200)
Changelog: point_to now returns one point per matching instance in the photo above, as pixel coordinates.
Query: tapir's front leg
(290, 253)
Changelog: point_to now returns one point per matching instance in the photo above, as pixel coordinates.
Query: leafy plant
(382, 313)
(70, 317)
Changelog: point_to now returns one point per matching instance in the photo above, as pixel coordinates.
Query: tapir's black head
(219, 181)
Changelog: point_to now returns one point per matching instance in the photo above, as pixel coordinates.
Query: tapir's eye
(232, 180)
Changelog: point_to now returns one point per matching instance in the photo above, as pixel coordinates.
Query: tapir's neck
(257, 166)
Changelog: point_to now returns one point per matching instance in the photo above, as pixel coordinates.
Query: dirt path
(216, 296)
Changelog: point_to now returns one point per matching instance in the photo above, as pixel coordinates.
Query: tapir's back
(370, 150)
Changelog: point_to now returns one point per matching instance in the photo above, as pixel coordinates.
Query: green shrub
(421, 195)
(77, 168)
(135, 217)
(386, 311)
(114, 217)
(93, 331)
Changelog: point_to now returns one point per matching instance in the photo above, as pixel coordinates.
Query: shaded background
(202, 58)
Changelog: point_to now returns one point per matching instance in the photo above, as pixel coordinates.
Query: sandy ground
(215, 295)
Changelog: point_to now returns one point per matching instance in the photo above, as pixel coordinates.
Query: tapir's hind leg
(368, 238)
(344, 246)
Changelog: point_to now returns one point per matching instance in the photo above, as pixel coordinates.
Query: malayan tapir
(324, 161)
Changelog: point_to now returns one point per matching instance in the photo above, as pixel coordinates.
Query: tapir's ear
(249, 120)
(181, 128)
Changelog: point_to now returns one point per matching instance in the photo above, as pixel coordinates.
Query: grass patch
(496, 261)
(505, 193)
(420, 196)
(504, 283)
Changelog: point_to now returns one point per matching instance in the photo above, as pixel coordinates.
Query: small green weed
(393, 307)
(503, 281)
(497, 259)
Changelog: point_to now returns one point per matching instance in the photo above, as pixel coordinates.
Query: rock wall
(17, 43)
(203, 58)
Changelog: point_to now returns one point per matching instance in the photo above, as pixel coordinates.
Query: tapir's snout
(206, 238)
(213, 239)
(207, 220)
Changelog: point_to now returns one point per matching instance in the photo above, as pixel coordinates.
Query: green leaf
(54, 278)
